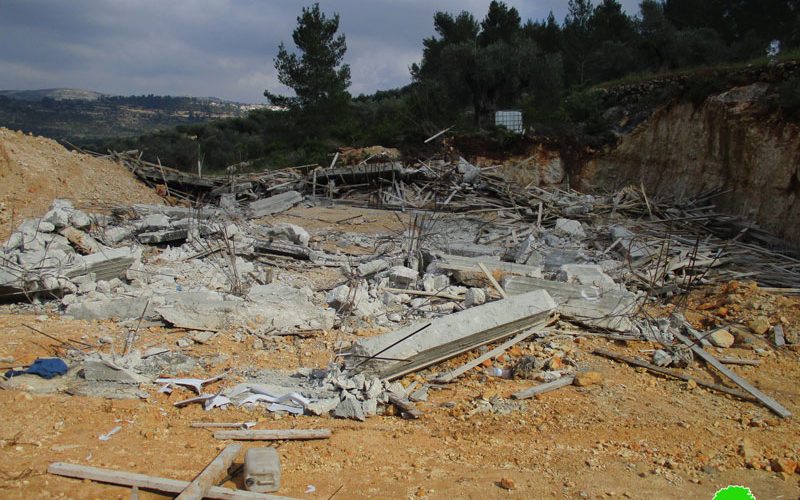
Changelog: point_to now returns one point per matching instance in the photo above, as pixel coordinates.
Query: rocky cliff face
(731, 141)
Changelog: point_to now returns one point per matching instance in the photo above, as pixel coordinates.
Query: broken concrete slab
(629, 245)
(467, 270)
(120, 308)
(449, 335)
(274, 204)
(154, 222)
(202, 213)
(274, 307)
(282, 248)
(98, 370)
(610, 309)
(373, 267)
(356, 299)
(166, 236)
(587, 274)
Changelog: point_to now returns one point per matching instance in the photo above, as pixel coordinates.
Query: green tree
(577, 40)
(500, 24)
(317, 76)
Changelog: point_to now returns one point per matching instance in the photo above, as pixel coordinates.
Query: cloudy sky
(221, 48)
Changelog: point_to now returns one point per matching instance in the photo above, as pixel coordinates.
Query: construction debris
(480, 280)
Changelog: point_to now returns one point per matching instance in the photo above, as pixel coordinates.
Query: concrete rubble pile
(450, 284)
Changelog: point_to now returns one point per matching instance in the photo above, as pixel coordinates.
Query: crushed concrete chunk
(402, 277)
(474, 297)
(569, 228)
(662, 358)
(435, 282)
(372, 267)
(323, 406)
(586, 274)
(350, 408)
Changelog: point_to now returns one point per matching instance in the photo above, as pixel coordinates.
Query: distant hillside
(57, 94)
(82, 116)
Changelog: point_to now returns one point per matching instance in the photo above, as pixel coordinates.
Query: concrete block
(402, 277)
(469, 172)
(474, 297)
(569, 228)
(287, 232)
(339, 297)
(166, 236)
(372, 267)
(79, 219)
(274, 204)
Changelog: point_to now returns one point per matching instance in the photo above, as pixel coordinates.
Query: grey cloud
(223, 48)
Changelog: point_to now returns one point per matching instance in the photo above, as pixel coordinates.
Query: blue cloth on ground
(44, 367)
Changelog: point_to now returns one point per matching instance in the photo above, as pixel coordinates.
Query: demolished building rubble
(454, 281)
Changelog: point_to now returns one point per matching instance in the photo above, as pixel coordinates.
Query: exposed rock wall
(731, 141)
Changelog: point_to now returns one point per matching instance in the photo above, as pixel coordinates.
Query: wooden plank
(493, 281)
(453, 374)
(423, 293)
(741, 382)
(739, 361)
(546, 387)
(211, 475)
(274, 434)
(152, 483)
(671, 373)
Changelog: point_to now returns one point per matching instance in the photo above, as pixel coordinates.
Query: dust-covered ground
(633, 435)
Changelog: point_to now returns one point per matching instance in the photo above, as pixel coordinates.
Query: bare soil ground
(36, 170)
(635, 435)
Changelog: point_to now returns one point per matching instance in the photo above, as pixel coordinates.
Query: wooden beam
(423, 293)
(453, 374)
(152, 483)
(274, 434)
(211, 475)
(741, 382)
(671, 373)
(739, 361)
(493, 281)
(546, 387)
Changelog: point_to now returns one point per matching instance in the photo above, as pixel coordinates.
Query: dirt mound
(35, 170)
